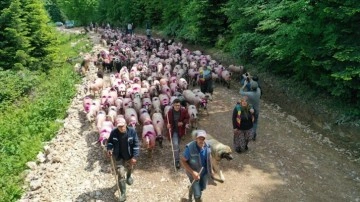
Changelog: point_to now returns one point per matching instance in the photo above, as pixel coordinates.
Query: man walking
(253, 98)
(123, 146)
(197, 162)
(130, 28)
(177, 119)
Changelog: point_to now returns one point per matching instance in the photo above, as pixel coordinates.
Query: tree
(193, 15)
(315, 41)
(82, 11)
(41, 36)
(203, 21)
(171, 20)
(15, 43)
(54, 11)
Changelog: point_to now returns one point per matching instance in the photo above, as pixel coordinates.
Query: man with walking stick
(196, 160)
(177, 119)
(123, 147)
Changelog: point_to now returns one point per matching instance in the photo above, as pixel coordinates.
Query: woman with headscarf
(243, 119)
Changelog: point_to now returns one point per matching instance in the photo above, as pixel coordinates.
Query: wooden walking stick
(194, 180)
(116, 179)
(172, 147)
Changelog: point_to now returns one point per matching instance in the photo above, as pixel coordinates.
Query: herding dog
(218, 151)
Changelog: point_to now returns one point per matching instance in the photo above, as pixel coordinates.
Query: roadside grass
(29, 121)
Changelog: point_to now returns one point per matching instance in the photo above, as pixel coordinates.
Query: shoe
(129, 181)
(198, 200)
(122, 197)
(190, 195)
(254, 137)
(177, 164)
(160, 140)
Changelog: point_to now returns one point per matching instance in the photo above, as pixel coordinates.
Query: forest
(305, 40)
(312, 42)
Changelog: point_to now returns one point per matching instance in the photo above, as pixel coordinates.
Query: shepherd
(123, 145)
(196, 160)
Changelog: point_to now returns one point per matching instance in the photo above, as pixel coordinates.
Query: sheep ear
(193, 133)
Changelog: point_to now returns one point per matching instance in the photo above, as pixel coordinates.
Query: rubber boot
(122, 190)
(129, 179)
(190, 194)
(177, 165)
(198, 200)
(160, 140)
(161, 143)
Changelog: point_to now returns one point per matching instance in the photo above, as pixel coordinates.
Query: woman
(243, 119)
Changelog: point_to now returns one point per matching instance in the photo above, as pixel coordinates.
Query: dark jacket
(246, 119)
(132, 140)
(184, 118)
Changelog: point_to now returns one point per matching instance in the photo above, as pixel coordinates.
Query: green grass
(30, 120)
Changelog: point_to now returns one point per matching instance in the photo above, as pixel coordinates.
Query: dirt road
(288, 162)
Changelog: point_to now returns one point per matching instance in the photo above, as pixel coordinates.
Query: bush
(14, 85)
(31, 120)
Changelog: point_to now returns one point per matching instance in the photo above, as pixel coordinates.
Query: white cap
(120, 122)
(201, 133)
